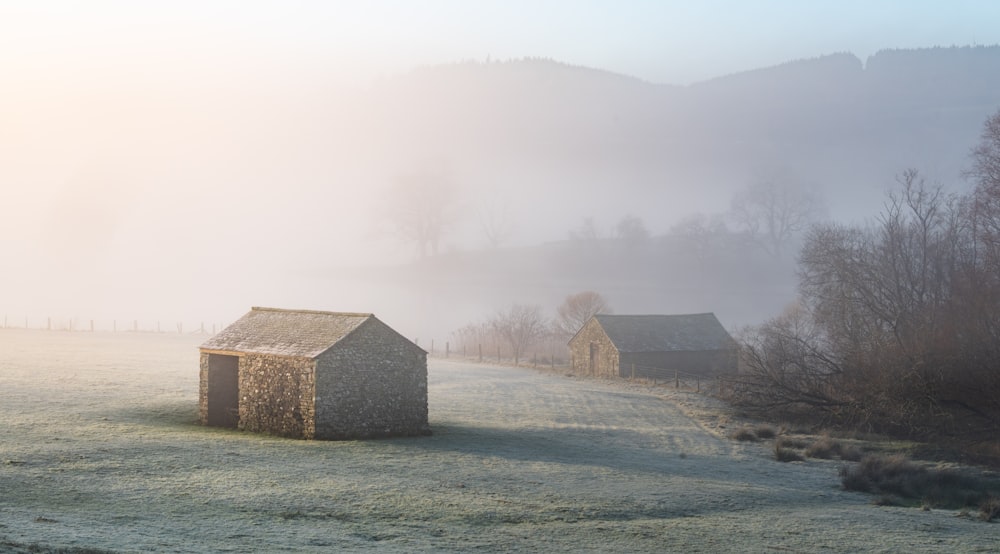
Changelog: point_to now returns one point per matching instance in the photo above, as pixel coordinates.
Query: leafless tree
(774, 211)
(520, 326)
(587, 232)
(577, 309)
(631, 231)
(496, 223)
(985, 170)
(421, 208)
(701, 233)
(890, 333)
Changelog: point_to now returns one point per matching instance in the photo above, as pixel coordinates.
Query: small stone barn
(655, 345)
(313, 375)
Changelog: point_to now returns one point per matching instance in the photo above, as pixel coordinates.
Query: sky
(676, 42)
(141, 141)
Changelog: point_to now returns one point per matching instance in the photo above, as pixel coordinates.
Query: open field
(99, 450)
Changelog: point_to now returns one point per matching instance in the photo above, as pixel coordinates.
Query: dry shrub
(765, 432)
(745, 434)
(793, 442)
(783, 454)
(895, 475)
(824, 448)
(827, 448)
(989, 508)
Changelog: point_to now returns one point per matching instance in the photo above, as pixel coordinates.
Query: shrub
(783, 454)
(989, 508)
(745, 434)
(765, 432)
(791, 442)
(897, 476)
(825, 448)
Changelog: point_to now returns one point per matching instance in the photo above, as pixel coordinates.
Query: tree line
(897, 326)
(513, 331)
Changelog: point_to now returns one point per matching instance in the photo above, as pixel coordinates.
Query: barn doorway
(223, 390)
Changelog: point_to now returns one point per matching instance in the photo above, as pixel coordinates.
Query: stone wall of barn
(276, 394)
(592, 338)
(203, 388)
(373, 383)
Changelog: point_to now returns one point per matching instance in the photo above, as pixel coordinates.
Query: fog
(189, 180)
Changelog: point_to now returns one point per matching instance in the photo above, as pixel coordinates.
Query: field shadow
(617, 449)
(174, 414)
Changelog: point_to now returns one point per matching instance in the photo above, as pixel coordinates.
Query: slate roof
(299, 333)
(665, 333)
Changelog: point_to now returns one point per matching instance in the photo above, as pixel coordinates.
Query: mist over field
(189, 180)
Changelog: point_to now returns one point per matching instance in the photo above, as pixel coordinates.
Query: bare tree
(898, 327)
(496, 223)
(520, 326)
(985, 171)
(421, 208)
(702, 233)
(631, 231)
(577, 309)
(774, 211)
(587, 232)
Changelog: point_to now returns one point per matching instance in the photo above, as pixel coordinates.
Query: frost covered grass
(101, 452)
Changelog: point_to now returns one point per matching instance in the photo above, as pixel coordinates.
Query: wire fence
(77, 324)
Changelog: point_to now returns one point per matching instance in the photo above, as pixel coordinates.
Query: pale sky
(664, 41)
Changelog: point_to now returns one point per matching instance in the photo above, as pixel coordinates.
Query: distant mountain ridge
(846, 124)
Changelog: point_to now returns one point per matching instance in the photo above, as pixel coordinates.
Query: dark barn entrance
(223, 390)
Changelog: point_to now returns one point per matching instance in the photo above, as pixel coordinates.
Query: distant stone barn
(313, 375)
(611, 345)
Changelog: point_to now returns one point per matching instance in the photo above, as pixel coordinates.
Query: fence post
(432, 346)
(697, 384)
(677, 379)
(498, 353)
(480, 352)
(633, 372)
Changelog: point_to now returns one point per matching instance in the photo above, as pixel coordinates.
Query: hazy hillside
(560, 143)
(833, 120)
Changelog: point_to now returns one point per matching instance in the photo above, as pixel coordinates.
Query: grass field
(99, 451)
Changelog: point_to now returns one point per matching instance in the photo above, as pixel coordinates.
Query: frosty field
(99, 450)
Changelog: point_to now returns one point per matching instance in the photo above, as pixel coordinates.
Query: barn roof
(299, 333)
(665, 333)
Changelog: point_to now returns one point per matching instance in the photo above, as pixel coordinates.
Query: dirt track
(99, 450)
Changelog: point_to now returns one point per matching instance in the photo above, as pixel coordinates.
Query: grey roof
(665, 333)
(299, 333)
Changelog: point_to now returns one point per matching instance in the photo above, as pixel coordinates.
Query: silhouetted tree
(496, 223)
(577, 309)
(631, 230)
(520, 326)
(587, 232)
(421, 208)
(774, 211)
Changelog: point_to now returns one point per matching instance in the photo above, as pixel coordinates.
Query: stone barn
(313, 375)
(655, 345)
